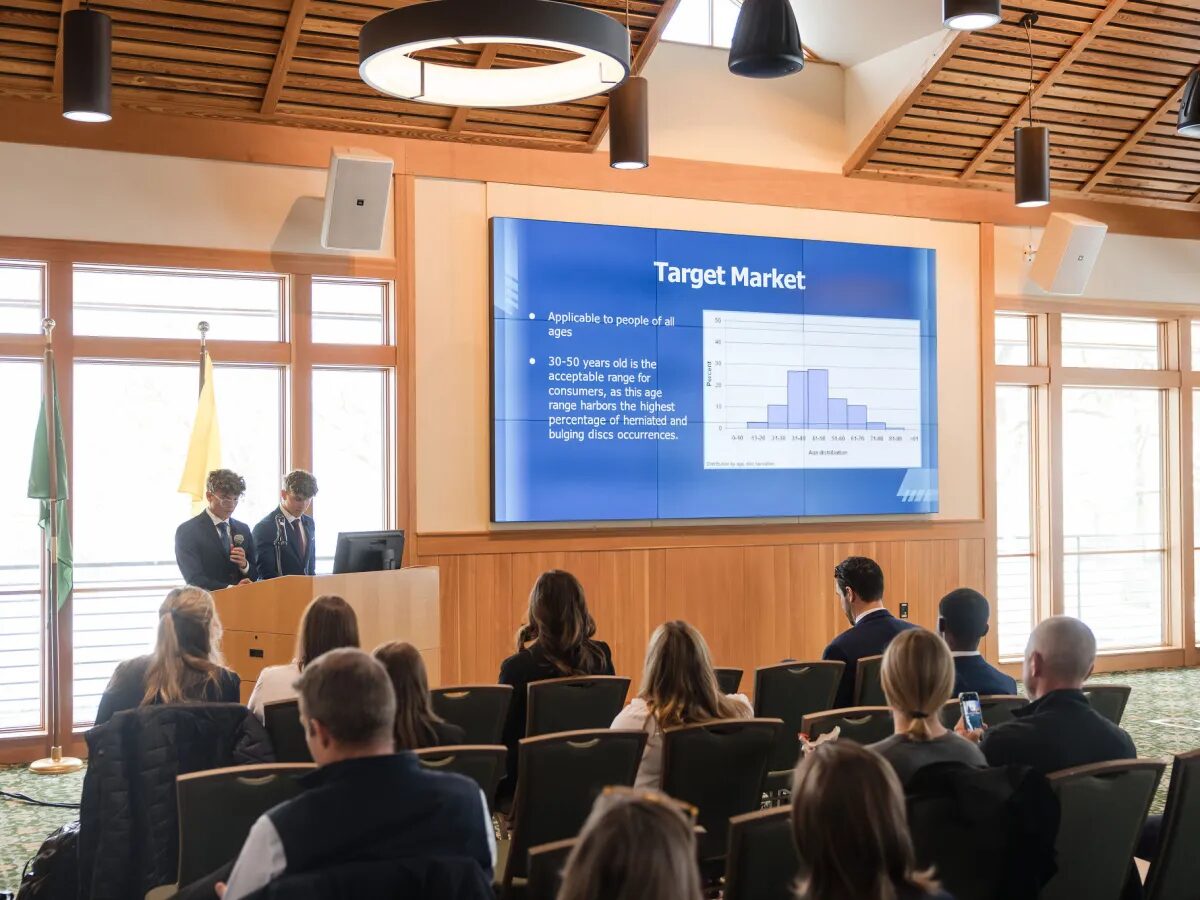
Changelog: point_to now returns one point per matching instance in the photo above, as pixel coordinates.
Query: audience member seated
(1059, 729)
(186, 664)
(417, 725)
(636, 845)
(679, 687)
(327, 624)
(963, 621)
(851, 828)
(917, 674)
(555, 643)
(364, 803)
(859, 585)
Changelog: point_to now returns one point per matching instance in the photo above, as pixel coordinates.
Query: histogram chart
(811, 392)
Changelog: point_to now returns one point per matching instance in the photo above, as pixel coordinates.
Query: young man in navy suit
(286, 538)
(962, 622)
(859, 585)
(213, 550)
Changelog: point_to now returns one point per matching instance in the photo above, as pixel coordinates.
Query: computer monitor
(368, 551)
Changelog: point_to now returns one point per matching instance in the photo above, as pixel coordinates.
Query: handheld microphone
(238, 540)
(281, 532)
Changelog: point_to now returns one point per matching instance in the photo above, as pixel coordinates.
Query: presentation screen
(641, 373)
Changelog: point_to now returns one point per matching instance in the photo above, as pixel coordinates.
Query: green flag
(40, 487)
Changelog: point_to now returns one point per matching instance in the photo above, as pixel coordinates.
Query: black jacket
(265, 534)
(128, 685)
(381, 808)
(531, 664)
(442, 878)
(1058, 731)
(870, 637)
(202, 560)
(974, 673)
(129, 829)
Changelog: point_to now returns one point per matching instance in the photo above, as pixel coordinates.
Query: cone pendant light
(766, 40)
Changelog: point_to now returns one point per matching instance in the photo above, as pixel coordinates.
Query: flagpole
(56, 763)
(203, 329)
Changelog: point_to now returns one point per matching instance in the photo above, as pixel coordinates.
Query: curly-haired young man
(214, 550)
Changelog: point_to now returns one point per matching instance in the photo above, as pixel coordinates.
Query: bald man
(1059, 729)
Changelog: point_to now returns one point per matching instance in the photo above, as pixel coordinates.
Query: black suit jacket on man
(870, 637)
(289, 554)
(202, 560)
(1058, 731)
(974, 673)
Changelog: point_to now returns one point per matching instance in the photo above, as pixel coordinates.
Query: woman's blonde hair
(635, 845)
(918, 678)
(187, 652)
(851, 828)
(679, 684)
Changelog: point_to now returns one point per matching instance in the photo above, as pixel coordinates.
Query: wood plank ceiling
(294, 62)
(1108, 78)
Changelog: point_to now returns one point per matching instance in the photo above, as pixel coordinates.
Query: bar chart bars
(820, 392)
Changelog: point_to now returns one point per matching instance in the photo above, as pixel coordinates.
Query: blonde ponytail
(918, 678)
(187, 652)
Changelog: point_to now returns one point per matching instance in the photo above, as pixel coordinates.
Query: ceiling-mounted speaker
(1068, 253)
(356, 199)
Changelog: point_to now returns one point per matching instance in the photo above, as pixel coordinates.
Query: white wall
(96, 195)
(698, 110)
(1157, 270)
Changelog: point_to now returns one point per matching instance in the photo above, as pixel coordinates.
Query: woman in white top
(679, 687)
(327, 624)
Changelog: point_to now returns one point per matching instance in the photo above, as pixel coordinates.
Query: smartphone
(972, 712)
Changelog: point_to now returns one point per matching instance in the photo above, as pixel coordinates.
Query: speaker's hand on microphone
(237, 556)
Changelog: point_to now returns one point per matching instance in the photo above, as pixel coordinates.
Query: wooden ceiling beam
(905, 101)
(486, 57)
(1135, 138)
(283, 58)
(640, 57)
(67, 6)
(1073, 53)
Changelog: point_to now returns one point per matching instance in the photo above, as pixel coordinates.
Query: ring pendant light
(1031, 182)
(388, 42)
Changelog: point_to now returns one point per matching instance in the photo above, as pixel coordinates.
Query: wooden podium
(261, 619)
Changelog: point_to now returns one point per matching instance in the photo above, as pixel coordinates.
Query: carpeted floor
(1163, 718)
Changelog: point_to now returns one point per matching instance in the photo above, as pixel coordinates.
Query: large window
(128, 407)
(706, 22)
(1087, 422)
(351, 423)
(20, 551)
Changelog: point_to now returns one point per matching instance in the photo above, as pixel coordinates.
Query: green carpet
(1162, 717)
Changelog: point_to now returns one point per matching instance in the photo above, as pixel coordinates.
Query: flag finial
(203, 329)
(48, 328)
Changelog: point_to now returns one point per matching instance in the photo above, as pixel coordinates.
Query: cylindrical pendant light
(629, 116)
(766, 40)
(87, 66)
(1032, 177)
(1189, 108)
(970, 15)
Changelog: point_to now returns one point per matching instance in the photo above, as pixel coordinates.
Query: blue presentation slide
(640, 373)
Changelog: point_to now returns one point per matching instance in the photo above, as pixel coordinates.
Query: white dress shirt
(636, 717)
(262, 858)
(869, 612)
(274, 683)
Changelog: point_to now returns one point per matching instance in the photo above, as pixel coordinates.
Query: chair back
(546, 864)
(217, 808)
(729, 679)
(1175, 871)
(482, 764)
(1108, 699)
(997, 709)
(478, 709)
(868, 682)
(861, 724)
(789, 692)
(763, 863)
(574, 704)
(282, 720)
(1103, 808)
(718, 767)
(559, 777)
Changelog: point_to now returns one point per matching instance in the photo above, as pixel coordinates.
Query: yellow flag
(204, 449)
